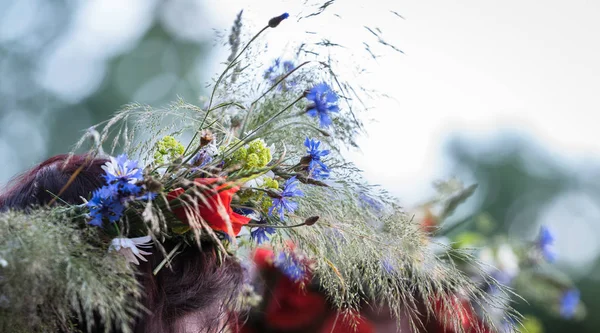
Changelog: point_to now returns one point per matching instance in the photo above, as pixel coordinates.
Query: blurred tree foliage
(517, 181)
(38, 118)
(140, 66)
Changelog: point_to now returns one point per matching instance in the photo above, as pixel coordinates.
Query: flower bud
(206, 138)
(311, 220)
(274, 22)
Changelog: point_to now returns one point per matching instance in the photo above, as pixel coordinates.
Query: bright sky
(473, 67)
(478, 68)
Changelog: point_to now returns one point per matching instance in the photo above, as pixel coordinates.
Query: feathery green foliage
(56, 273)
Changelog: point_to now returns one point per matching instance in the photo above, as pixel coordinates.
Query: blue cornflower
(367, 201)
(290, 266)
(279, 69)
(272, 72)
(124, 173)
(148, 196)
(121, 169)
(282, 204)
(545, 241)
(316, 168)
(324, 101)
(569, 302)
(288, 66)
(260, 234)
(105, 203)
(108, 202)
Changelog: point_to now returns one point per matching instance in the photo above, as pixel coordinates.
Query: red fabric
(292, 307)
(263, 258)
(215, 207)
(347, 325)
(468, 319)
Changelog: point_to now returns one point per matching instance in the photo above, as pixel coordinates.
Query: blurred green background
(66, 65)
(522, 187)
(63, 68)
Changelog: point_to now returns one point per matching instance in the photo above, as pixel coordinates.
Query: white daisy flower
(259, 181)
(130, 248)
(122, 169)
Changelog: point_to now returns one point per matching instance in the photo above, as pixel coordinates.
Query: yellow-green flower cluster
(167, 147)
(260, 199)
(265, 201)
(253, 155)
(271, 183)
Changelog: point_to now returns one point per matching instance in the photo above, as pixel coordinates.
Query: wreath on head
(262, 164)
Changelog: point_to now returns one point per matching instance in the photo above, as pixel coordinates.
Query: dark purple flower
(201, 159)
(243, 210)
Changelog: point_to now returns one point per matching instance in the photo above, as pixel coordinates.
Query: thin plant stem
(245, 139)
(298, 123)
(231, 65)
(222, 105)
(212, 95)
(279, 81)
(244, 123)
(276, 226)
(167, 258)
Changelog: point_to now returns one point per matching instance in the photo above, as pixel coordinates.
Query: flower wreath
(264, 168)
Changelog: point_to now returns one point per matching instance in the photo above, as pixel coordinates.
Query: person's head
(44, 182)
(190, 296)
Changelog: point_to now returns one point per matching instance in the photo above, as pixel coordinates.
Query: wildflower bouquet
(261, 164)
(525, 265)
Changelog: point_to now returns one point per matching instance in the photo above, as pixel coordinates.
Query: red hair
(197, 288)
(40, 185)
